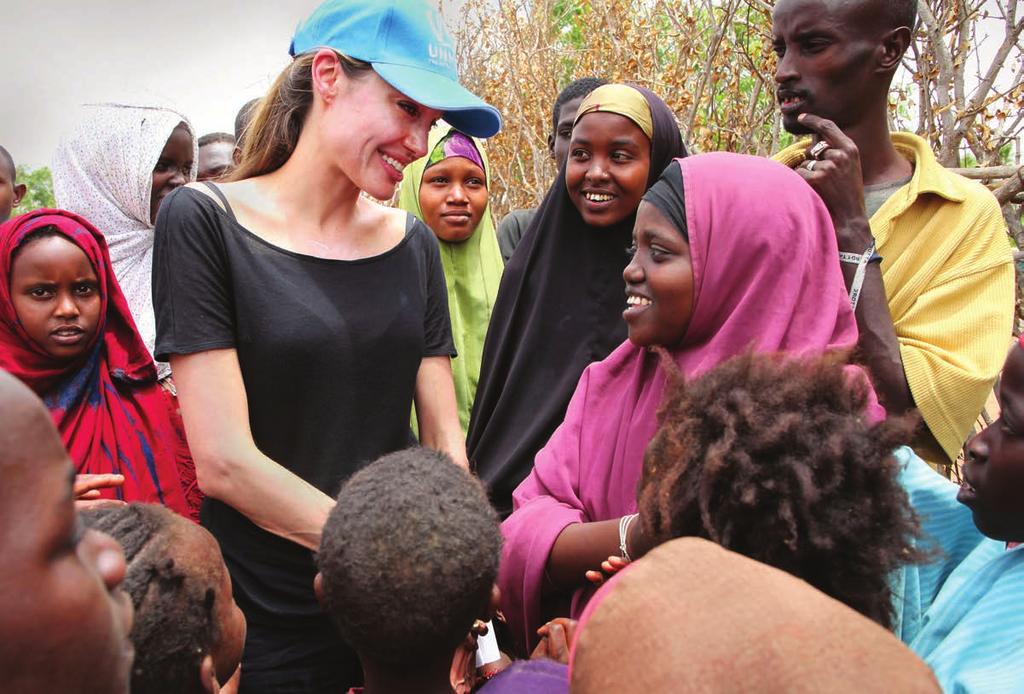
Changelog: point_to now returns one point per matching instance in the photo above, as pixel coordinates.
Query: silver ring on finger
(810, 164)
(818, 149)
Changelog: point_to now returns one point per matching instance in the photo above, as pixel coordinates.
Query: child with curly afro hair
(408, 559)
(772, 457)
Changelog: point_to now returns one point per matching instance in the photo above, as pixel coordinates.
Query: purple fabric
(534, 676)
(766, 276)
(455, 145)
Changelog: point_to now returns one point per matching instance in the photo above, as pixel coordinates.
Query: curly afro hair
(771, 457)
(408, 557)
(175, 623)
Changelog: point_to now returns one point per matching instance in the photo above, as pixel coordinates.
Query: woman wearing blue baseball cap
(302, 319)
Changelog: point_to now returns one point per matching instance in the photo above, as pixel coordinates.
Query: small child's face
(227, 653)
(453, 197)
(200, 551)
(606, 174)
(10, 192)
(57, 296)
(994, 471)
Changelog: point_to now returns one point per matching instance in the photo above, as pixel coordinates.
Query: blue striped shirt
(963, 613)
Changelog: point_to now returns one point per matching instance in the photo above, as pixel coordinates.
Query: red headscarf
(112, 414)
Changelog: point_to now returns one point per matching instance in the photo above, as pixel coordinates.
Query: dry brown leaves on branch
(711, 60)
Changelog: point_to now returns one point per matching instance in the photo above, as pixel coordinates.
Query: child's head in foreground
(64, 620)
(188, 629)
(993, 473)
(691, 616)
(772, 457)
(408, 559)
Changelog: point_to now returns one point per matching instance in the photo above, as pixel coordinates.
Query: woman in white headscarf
(114, 168)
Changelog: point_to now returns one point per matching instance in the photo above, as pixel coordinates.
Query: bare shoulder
(376, 216)
(201, 187)
(237, 192)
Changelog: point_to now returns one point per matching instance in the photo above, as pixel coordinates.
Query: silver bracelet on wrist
(624, 524)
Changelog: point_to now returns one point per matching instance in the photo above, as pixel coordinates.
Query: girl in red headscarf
(66, 331)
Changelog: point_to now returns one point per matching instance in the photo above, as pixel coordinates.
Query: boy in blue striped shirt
(964, 613)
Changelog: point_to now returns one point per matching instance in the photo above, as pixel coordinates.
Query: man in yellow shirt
(924, 251)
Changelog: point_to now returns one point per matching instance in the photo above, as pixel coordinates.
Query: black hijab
(559, 308)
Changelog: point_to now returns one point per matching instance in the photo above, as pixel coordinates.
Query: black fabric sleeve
(437, 325)
(192, 294)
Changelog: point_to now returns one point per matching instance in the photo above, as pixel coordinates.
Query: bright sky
(206, 57)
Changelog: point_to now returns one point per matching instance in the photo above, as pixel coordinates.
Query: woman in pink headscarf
(731, 253)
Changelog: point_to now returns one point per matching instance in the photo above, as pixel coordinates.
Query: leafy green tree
(40, 189)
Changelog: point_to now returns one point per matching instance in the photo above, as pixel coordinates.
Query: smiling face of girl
(56, 294)
(659, 281)
(173, 169)
(453, 197)
(606, 173)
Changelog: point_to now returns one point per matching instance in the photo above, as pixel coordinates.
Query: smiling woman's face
(659, 281)
(606, 173)
(453, 197)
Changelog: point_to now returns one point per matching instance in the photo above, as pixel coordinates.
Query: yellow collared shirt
(949, 279)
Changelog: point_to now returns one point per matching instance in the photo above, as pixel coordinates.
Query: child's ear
(208, 675)
(318, 588)
(19, 193)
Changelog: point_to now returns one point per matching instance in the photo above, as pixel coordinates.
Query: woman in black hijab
(561, 298)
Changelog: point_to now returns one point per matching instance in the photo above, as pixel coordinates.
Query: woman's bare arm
(229, 467)
(436, 409)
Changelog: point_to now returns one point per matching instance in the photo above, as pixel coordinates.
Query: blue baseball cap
(408, 45)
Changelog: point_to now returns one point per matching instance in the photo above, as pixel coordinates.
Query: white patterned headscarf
(103, 171)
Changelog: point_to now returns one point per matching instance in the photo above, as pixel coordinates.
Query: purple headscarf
(766, 276)
(455, 144)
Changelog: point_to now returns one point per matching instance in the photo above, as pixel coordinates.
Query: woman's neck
(311, 192)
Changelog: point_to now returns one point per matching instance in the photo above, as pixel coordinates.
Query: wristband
(624, 524)
(861, 261)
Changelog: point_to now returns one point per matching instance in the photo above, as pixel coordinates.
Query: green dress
(472, 270)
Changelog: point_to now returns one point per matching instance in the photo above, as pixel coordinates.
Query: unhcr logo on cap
(441, 48)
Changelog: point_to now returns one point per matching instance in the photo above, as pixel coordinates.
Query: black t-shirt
(329, 351)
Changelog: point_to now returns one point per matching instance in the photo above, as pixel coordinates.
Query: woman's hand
(556, 639)
(87, 488)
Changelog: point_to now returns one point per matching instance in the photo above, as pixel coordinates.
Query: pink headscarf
(766, 276)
